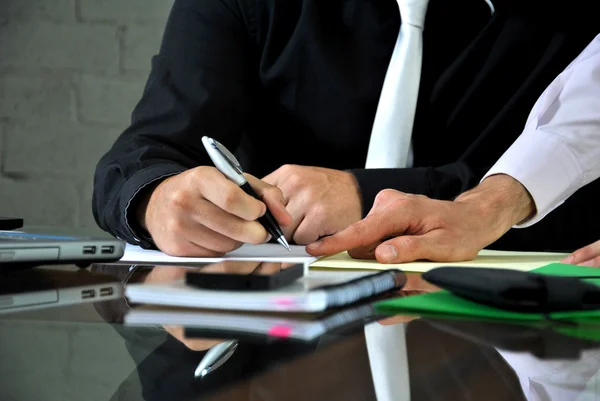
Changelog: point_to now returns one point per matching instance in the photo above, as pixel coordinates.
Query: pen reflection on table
(220, 352)
(227, 164)
(215, 357)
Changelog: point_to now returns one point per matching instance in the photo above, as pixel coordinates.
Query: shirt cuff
(130, 196)
(545, 166)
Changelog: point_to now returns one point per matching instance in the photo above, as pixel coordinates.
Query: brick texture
(40, 201)
(137, 11)
(24, 97)
(52, 45)
(1, 146)
(38, 10)
(41, 149)
(108, 100)
(86, 217)
(140, 44)
(71, 72)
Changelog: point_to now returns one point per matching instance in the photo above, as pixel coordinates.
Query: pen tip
(283, 242)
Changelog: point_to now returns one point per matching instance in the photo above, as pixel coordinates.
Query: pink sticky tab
(284, 301)
(280, 331)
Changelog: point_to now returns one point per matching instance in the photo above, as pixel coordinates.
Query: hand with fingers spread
(201, 213)
(321, 201)
(424, 228)
(589, 256)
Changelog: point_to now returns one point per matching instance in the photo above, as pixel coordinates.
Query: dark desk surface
(84, 352)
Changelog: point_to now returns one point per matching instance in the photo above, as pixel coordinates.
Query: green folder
(443, 303)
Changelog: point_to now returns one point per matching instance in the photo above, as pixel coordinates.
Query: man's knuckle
(287, 169)
(384, 196)
(178, 198)
(294, 180)
(230, 197)
(381, 196)
(310, 194)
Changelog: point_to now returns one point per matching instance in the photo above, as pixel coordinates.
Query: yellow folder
(523, 261)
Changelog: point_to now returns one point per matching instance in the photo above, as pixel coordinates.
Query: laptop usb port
(107, 249)
(106, 291)
(89, 250)
(86, 294)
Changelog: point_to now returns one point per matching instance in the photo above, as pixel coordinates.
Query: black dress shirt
(298, 81)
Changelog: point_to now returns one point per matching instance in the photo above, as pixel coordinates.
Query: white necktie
(390, 144)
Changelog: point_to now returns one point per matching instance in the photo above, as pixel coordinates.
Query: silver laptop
(45, 287)
(50, 245)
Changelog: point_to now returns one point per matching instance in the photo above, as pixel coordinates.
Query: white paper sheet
(262, 252)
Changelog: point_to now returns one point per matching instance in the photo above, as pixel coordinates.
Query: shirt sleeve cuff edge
(137, 183)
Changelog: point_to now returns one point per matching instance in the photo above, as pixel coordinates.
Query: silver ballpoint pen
(227, 164)
(215, 357)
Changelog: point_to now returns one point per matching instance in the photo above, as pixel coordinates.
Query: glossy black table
(85, 352)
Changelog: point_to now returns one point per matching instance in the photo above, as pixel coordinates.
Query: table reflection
(394, 358)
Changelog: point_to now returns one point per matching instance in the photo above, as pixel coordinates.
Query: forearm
(502, 202)
(559, 149)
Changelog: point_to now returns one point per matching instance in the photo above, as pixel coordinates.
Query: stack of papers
(247, 252)
(523, 261)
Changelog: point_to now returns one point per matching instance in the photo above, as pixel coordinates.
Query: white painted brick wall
(134, 11)
(71, 72)
(57, 45)
(1, 152)
(108, 100)
(141, 43)
(23, 97)
(38, 10)
(53, 158)
(40, 200)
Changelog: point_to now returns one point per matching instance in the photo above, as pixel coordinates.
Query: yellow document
(523, 261)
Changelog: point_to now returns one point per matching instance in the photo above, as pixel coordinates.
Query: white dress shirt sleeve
(559, 149)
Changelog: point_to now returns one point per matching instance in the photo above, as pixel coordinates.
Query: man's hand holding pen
(201, 213)
(208, 211)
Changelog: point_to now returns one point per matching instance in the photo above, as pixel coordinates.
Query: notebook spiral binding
(355, 290)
